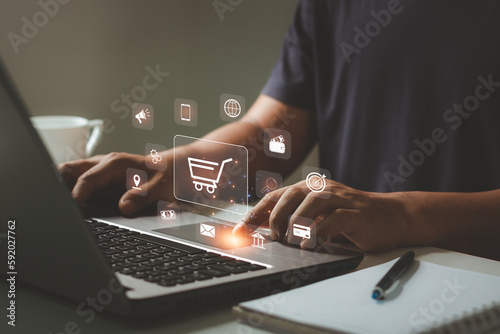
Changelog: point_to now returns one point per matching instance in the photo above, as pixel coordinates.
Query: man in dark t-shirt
(406, 94)
(404, 100)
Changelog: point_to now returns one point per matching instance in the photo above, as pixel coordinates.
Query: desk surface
(39, 312)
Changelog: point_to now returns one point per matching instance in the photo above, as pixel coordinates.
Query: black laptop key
(98, 232)
(111, 251)
(184, 280)
(169, 266)
(199, 276)
(253, 267)
(126, 233)
(208, 255)
(110, 227)
(127, 271)
(169, 275)
(237, 263)
(190, 258)
(214, 272)
(205, 262)
(148, 246)
(171, 244)
(195, 266)
(176, 253)
(139, 274)
(130, 241)
(116, 267)
(152, 279)
(124, 255)
(136, 259)
(167, 282)
(182, 271)
(140, 268)
(228, 268)
(146, 263)
(163, 250)
(180, 263)
(222, 258)
(165, 259)
(138, 251)
(112, 244)
(150, 256)
(123, 240)
(155, 272)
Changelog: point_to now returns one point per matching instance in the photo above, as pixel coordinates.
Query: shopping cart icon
(199, 165)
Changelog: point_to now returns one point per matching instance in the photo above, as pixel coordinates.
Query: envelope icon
(207, 230)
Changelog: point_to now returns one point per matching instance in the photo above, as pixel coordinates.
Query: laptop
(141, 266)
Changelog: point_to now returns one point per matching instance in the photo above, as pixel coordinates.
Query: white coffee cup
(68, 137)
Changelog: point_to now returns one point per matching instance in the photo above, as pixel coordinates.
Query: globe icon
(232, 108)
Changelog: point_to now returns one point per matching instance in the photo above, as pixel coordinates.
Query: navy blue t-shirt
(406, 93)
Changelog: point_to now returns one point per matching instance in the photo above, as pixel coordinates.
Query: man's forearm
(466, 222)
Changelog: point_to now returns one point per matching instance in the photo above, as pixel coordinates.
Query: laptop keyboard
(161, 261)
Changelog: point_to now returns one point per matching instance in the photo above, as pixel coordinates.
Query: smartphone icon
(185, 112)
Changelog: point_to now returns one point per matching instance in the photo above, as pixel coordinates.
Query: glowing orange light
(233, 241)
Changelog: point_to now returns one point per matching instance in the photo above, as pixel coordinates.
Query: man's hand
(104, 176)
(372, 221)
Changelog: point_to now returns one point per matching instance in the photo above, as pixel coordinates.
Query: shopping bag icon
(207, 230)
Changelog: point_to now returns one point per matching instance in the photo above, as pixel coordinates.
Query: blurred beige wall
(87, 53)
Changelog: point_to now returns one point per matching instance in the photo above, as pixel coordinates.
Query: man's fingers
(72, 170)
(131, 203)
(97, 177)
(287, 204)
(259, 214)
(314, 206)
(339, 221)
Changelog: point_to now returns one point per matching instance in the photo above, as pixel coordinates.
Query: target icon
(316, 182)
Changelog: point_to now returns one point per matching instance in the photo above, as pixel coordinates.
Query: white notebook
(430, 297)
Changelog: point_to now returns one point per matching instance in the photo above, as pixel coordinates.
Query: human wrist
(420, 228)
(403, 206)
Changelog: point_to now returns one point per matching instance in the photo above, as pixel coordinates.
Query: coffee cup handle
(97, 126)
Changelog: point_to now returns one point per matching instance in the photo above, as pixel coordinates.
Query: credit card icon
(302, 231)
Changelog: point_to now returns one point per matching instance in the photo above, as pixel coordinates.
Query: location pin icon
(137, 179)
